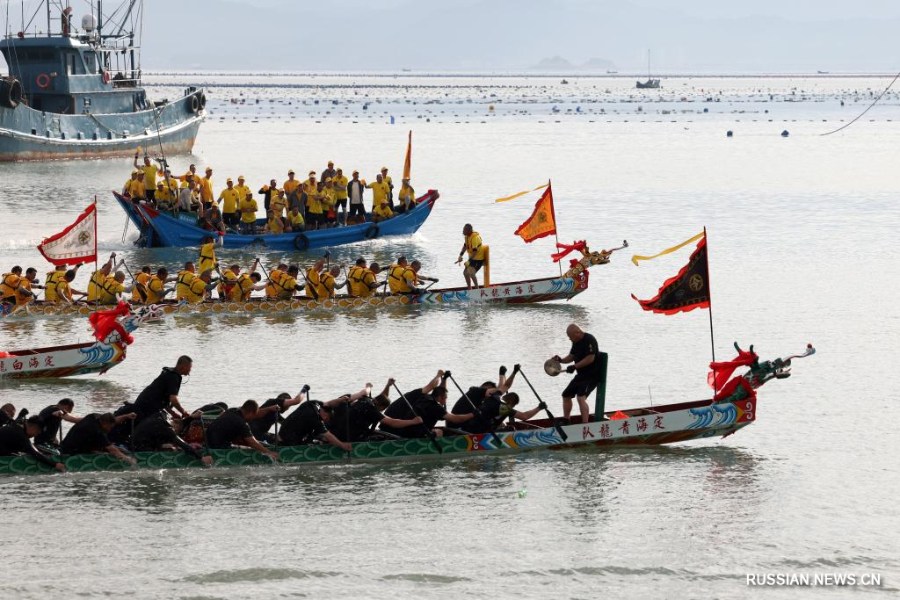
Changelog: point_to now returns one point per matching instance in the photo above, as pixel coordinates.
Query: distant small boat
(822, 72)
(650, 84)
(564, 81)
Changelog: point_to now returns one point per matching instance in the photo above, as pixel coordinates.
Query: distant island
(558, 63)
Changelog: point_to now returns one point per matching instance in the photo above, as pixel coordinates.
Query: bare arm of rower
(457, 419)
(429, 387)
(386, 392)
(112, 449)
(126, 417)
(334, 441)
(524, 415)
(253, 443)
(506, 383)
(401, 423)
(173, 400)
(67, 417)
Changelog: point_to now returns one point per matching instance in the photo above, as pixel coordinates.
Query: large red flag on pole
(77, 243)
(542, 221)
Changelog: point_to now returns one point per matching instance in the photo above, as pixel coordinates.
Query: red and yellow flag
(687, 290)
(75, 244)
(542, 221)
(407, 163)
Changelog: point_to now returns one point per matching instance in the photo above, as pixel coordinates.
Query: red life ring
(105, 76)
(42, 81)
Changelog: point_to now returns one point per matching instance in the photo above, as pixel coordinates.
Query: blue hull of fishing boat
(159, 229)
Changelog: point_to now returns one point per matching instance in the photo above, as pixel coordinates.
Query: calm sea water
(802, 249)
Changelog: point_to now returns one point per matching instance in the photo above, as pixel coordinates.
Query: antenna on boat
(650, 393)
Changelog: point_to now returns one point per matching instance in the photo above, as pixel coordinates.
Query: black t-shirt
(50, 422)
(585, 346)
(261, 426)
(155, 431)
(5, 419)
(425, 406)
(463, 406)
(85, 437)
(360, 417)
(303, 425)
(155, 396)
(228, 428)
(13, 440)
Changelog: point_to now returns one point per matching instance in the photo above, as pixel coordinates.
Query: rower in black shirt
(7, 414)
(231, 427)
(309, 422)
(52, 418)
(356, 421)
(429, 403)
(90, 435)
(14, 439)
(476, 395)
(271, 410)
(162, 393)
(156, 433)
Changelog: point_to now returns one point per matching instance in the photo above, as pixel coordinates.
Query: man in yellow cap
(379, 192)
(206, 189)
(243, 190)
(230, 198)
(389, 183)
(248, 208)
(150, 172)
(475, 248)
(339, 183)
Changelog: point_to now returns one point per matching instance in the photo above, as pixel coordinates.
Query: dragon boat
(111, 327)
(180, 229)
(573, 282)
(732, 408)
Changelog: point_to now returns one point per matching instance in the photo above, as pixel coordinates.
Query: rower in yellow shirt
(328, 284)
(51, 281)
(24, 294)
(472, 245)
(183, 281)
(207, 260)
(64, 290)
(236, 286)
(282, 284)
(191, 287)
(156, 286)
(9, 284)
(141, 281)
(401, 278)
(98, 279)
(276, 276)
(313, 278)
(113, 287)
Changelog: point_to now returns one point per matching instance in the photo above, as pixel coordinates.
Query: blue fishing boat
(75, 92)
(180, 229)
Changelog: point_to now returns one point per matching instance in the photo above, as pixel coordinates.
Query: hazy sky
(705, 36)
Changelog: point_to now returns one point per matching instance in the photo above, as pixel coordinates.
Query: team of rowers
(157, 421)
(195, 283)
(331, 200)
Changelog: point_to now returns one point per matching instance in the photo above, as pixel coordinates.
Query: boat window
(70, 59)
(90, 60)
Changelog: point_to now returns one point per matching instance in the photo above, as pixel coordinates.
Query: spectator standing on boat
(472, 245)
(429, 403)
(355, 191)
(267, 191)
(232, 427)
(315, 209)
(137, 189)
(229, 197)
(309, 422)
(327, 196)
(16, 439)
(190, 175)
(379, 191)
(586, 363)
(328, 172)
(406, 197)
(162, 393)
(248, 208)
(206, 189)
(389, 184)
(51, 421)
(356, 421)
(271, 411)
(308, 189)
(339, 183)
(150, 175)
(243, 190)
(291, 189)
(90, 435)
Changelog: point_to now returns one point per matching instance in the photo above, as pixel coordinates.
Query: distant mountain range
(497, 35)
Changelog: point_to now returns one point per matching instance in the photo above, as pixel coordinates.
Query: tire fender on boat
(372, 232)
(202, 98)
(301, 242)
(10, 92)
(194, 104)
(42, 80)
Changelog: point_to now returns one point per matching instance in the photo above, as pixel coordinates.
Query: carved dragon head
(780, 368)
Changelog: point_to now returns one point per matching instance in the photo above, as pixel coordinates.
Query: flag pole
(555, 228)
(712, 340)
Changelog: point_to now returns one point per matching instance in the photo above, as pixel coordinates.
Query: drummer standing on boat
(475, 249)
(585, 358)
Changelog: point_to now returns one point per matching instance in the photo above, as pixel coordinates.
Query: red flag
(542, 221)
(77, 243)
(721, 371)
(687, 290)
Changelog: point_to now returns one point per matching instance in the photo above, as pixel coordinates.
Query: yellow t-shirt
(136, 189)
(230, 199)
(206, 190)
(228, 288)
(150, 172)
(474, 246)
(275, 225)
(248, 210)
(407, 196)
(295, 220)
(183, 285)
(242, 192)
(290, 185)
(383, 210)
(278, 204)
(340, 187)
(326, 286)
(275, 285)
(111, 288)
(9, 284)
(314, 203)
(379, 193)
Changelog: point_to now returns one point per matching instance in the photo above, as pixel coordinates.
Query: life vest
(183, 284)
(243, 288)
(276, 283)
(207, 260)
(314, 282)
(155, 288)
(9, 284)
(358, 288)
(96, 286)
(143, 279)
(23, 292)
(326, 286)
(228, 285)
(474, 246)
(399, 278)
(53, 279)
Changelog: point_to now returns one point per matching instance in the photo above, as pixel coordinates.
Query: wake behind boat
(76, 92)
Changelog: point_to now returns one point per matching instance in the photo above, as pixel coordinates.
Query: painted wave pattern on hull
(96, 354)
(714, 415)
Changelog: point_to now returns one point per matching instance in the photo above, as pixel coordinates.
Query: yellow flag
(520, 194)
(636, 258)
(407, 164)
(542, 221)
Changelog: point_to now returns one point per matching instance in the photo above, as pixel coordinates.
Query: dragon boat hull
(643, 427)
(61, 361)
(162, 229)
